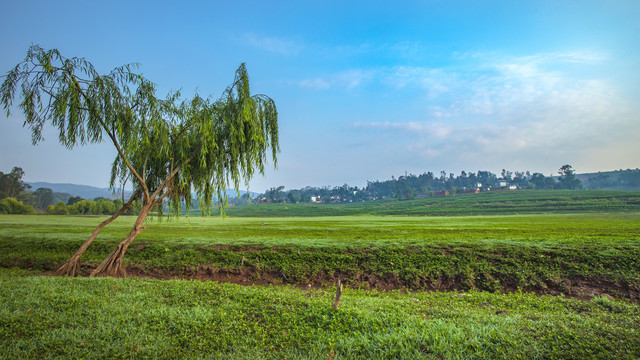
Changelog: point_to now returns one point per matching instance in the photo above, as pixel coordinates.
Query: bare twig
(336, 301)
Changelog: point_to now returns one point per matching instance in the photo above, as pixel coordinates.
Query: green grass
(541, 252)
(45, 317)
(492, 202)
(583, 252)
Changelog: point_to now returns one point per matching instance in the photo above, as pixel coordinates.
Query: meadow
(580, 254)
(485, 203)
(516, 283)
(106, 318)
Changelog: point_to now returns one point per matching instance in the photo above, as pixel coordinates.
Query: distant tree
(630, 178)
(568, 178)
(486, 178)
(602, 181)
(167, 148)
(86, 207)
(105, 207)
(11, 205)
(11, 184)
(520, 179)
(72, 210)
(59, 196)
(506, 175)
(275, 194)
(44, 197)
(541, 182)
(74, 199)
(293, 197)
(60, 208)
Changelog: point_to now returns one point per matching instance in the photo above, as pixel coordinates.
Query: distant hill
(484, 203)
(91, 192)
(626, 180)
(84, 191)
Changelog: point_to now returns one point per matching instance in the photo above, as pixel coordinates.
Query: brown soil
(576, 287)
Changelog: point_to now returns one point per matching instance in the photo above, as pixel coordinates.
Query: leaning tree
(168, 148)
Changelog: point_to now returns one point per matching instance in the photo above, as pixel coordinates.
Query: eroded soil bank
(576, 287)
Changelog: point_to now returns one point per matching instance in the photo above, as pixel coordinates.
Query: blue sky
(365, 89)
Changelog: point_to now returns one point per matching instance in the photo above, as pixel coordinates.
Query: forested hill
(484, 203)
(84, 191)
(428, 184)
(611, 180)
(91, 192)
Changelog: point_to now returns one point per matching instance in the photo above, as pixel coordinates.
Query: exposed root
(71, 267)
(112, 265)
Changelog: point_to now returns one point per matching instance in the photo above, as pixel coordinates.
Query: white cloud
(434, 81)
(315, 84)
(348, 80)
(273, 44)
(508, 110)
(421, 129)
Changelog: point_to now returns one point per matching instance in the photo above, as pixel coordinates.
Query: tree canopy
(11, 184)
(167, 146)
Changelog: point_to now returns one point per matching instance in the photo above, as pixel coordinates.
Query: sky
(365, 90)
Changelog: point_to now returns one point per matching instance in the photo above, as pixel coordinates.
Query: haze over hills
(92, 192)
(624, 180)
(84, 191)
(605, 180)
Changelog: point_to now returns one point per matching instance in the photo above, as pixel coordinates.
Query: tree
(106, 207)
(167, 148)
(568, 178)
(59, 209)
(74, 199)
(44, 197)
(11, 184)
(294, 197)
(11, 205)
(275, 194)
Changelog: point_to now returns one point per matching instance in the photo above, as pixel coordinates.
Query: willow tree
(166, 147)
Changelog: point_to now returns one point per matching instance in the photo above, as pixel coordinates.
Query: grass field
(44, 317)
(485, 203)
(580, 254)
(490, 273)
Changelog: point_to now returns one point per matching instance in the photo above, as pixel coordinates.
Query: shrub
(13, 206)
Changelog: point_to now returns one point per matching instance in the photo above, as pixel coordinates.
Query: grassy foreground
(46, 317)
(577, 254)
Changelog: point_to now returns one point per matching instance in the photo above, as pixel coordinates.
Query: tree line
(16, 198)
(426, 185)
(620, 179)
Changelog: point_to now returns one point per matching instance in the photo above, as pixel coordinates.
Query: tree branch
(115, 141)
(174, 172)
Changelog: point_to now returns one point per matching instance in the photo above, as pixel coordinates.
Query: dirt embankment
(576, 287)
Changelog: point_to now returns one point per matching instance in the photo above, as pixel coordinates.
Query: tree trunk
(72, 265)
(112, 265)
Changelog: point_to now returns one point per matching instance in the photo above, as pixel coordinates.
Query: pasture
(485, 203)
(512, 284)
(580, 254)
(106, 318)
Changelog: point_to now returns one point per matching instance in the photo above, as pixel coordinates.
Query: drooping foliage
(166, 146)
(71, 95)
